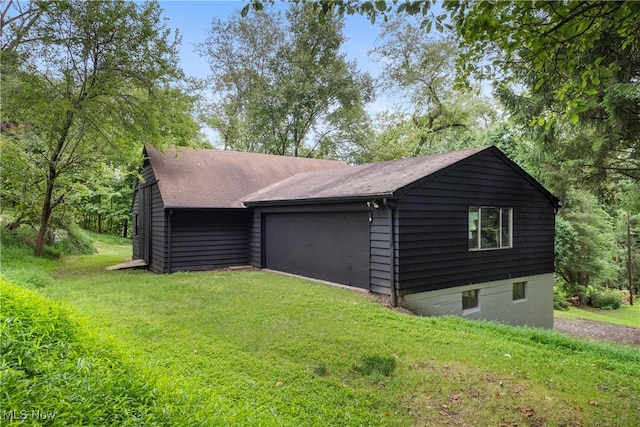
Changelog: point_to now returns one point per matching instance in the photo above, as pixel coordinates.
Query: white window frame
(478, 232)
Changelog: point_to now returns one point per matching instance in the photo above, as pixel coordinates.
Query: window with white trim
(490, 228)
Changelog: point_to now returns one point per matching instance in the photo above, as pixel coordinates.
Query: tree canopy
(281, 86)
(568, 69)
(419, 72)
(82, 82)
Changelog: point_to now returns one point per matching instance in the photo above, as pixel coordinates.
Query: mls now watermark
(33, 414)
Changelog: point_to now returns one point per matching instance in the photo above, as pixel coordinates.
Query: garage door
(327, 246)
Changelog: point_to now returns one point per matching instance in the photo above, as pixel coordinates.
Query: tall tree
(571, 64)
(16, 20)
(241, 54)
(86, 77)
(419, 72)
(580, 59)
(295, 95)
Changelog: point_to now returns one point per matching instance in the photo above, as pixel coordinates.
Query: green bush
(71, 241)
(53, 367)
(559, 302)
(52, 252)
(605, 299)
(571, 290)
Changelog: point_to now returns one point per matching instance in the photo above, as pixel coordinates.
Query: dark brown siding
(209, 239)
(255, 239)
(158, 232)
(433, 231)
(156, 219)
(134, 230)
(380, 251)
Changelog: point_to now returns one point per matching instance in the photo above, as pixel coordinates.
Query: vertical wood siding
(208, 239)
(433, 228)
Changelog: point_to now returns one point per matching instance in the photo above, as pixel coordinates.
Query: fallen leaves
(527, 412)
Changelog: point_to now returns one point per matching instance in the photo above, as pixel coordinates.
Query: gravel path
(584, 328)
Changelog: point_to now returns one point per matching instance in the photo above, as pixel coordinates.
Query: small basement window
(490, 228)
(519, 291)
(471, 300)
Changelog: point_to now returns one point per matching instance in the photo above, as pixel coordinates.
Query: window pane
(490, 228)
(506, 228)
(473, 228)
(469, 299)
(519, 290)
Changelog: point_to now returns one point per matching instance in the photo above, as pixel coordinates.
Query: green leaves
(558, 64)
(89, 79)
(284, 87)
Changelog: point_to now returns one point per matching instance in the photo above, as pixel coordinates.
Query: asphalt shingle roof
(373, 180)
(206, 178)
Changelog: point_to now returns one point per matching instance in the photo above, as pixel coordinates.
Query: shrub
(559, 302)
(605, 299)
(52, 252)
(567, 290)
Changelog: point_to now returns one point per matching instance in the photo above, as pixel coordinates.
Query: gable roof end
(374, 180)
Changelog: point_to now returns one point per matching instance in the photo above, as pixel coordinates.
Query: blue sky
(193, 19)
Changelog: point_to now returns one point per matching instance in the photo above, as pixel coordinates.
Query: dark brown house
(467, 233)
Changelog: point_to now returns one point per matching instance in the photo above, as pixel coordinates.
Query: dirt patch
(386, 302)
(583, 328)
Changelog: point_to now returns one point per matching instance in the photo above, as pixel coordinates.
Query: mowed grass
(255, 348)
(627, 315)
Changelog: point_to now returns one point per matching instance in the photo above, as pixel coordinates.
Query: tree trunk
(47, 207)
(629, 259)
(49, 204)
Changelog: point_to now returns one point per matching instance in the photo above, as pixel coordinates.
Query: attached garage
(332, 246)
(408, 233)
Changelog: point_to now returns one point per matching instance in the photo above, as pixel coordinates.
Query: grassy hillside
(253, 348)
(55, 371)
(627, 315)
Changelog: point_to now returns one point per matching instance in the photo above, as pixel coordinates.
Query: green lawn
(255, 348)
(627, 315)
